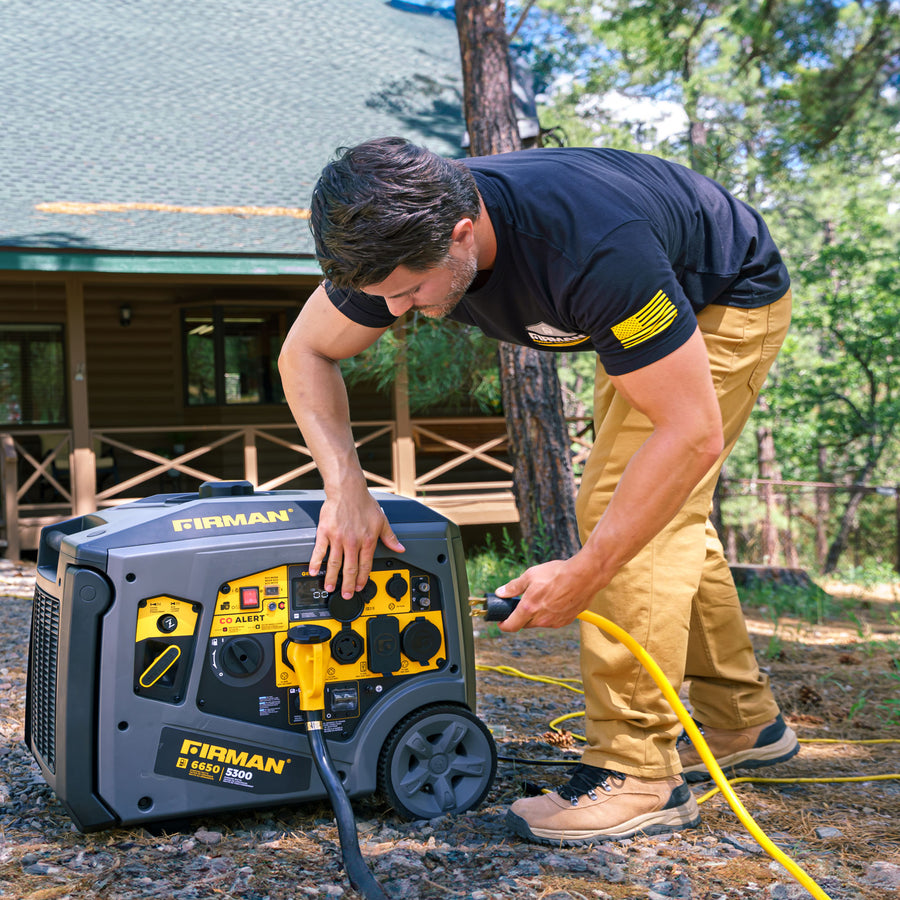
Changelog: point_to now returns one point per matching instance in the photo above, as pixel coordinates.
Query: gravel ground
(281, 853)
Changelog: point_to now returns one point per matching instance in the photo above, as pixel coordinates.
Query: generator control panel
(392, 629)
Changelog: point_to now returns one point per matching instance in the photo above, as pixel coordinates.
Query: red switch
(249, 598)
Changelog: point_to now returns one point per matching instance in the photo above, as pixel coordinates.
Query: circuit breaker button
(383, 644)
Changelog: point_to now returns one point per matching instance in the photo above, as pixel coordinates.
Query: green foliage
(450, 365)
(795, 107)
(843, 372)
(494, 564)
(764, 88)
(808, 604)
(869, 574)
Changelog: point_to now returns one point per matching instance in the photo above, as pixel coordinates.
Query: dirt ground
(838, 683)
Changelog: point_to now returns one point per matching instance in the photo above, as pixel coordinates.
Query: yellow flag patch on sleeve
(655, 317)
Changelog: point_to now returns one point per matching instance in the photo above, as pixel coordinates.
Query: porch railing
(459, 465)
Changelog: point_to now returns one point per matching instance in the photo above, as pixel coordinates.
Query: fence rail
(458, 465)
(809, 524)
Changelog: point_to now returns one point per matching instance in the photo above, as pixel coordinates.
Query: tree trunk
(847, 520)
(823, 511)
(847, 523)
(543, 483)
(765, 448)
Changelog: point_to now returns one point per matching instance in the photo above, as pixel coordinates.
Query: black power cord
(361, 879)
(304, 650)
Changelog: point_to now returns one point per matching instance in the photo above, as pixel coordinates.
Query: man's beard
(463, 272)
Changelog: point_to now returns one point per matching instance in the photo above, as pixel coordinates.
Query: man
(681, 291)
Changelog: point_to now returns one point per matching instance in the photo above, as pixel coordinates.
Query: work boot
(746, 748)
(601, 805)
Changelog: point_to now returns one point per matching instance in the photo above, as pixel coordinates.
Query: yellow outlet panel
(154, 620)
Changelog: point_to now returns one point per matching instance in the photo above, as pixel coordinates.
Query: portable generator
(163, 682)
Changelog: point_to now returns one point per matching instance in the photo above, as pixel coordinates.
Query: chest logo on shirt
(545, 335)
(655, 317)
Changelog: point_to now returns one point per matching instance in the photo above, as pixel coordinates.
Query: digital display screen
(308, 593)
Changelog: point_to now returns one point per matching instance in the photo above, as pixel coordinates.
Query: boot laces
(684, 739)
(585, 780)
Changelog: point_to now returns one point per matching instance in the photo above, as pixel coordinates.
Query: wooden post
(404, 445)
(251, 457)
(82, 464)
(9, 473)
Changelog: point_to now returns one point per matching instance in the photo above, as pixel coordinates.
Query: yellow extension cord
(696, 737)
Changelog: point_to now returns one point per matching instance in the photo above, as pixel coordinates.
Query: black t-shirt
(608, 250)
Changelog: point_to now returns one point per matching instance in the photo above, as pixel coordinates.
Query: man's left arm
(676, 394)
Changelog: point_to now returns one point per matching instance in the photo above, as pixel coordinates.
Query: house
(154, 246)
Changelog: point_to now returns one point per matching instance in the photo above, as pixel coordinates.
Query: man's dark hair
(387, 203)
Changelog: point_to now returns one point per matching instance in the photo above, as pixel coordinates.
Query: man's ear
(463, 233)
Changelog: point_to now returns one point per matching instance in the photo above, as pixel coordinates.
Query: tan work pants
(676, 597)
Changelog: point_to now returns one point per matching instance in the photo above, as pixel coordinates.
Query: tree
(455, 365)
(794, 107)
(542, 479)
(851, 390)
(762, 89)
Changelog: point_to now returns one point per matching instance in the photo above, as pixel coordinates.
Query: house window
(32, 375)
(231, 355)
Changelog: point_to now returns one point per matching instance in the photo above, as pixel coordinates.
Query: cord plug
(492, 608)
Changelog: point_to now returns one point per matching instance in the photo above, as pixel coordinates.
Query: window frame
(219, 312)
(25, 373)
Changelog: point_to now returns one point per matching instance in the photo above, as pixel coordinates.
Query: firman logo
(241, 520)
(231, 757)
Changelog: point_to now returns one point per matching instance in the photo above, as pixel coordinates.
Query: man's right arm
(351, 522)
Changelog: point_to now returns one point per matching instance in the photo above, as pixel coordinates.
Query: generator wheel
(439, 759)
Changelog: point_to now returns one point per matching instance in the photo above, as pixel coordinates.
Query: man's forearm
(650, 491)
(350, 520)
(315, 391)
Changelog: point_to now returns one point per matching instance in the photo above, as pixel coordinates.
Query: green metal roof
(135, 136)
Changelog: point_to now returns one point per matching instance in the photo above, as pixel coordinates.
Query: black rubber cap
(226, 489)
(309, 634)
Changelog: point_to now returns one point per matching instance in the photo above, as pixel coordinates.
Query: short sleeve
(628, 300)
(364, 309)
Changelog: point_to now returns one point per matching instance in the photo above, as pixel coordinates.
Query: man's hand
(553, 594)
(350, 526)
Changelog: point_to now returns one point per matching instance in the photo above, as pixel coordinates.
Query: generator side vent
(43, 674)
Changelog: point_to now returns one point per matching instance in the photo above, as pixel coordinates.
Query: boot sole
(782, 750)
(660, 822)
